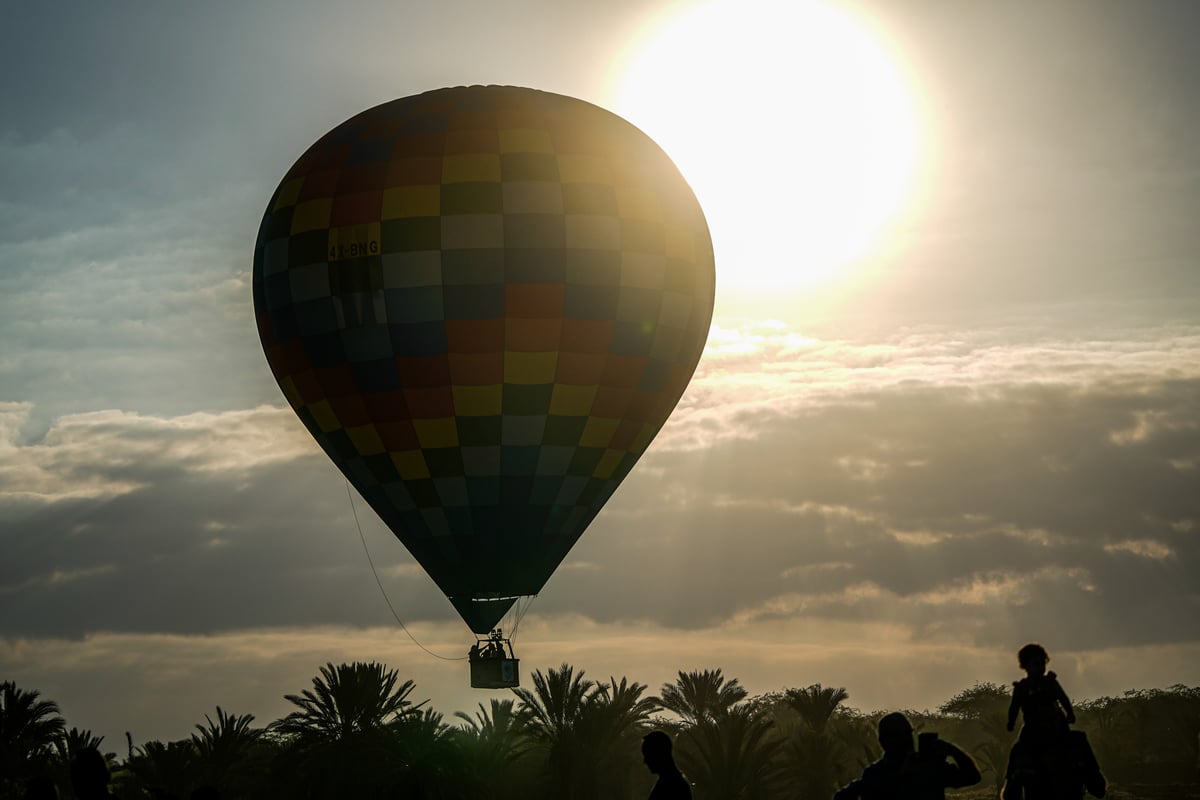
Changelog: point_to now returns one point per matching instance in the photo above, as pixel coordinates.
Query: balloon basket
(494, 665)
(498, 673)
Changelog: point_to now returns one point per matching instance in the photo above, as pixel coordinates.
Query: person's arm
(963, 772)
(1064, 701)
(1014, 706)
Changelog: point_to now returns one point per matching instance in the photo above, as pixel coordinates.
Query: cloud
(149, 312)
(752, 369)
(941, 485)
(203, 522)
(105, 454)
(974, 491)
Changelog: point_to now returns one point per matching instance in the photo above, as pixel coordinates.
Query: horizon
(450, 718)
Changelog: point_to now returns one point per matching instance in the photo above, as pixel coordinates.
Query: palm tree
(586, 732)
(73, 742)
(613, 720)
(495, 747)
(341, 741)
(555, 703)
(500, 728)
(816, 704)
(553, 711)
(347, 700)
(814, 763)
(624, 703)
(226, 750)
(697, 696)
(432, 764)
(29, 728)
(731, 758)
(169, 769)
(69, 744)
(815, 760)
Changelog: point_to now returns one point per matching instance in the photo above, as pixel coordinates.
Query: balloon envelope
(483, 302)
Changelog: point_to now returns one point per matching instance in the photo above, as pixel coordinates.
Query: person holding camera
(909, 773)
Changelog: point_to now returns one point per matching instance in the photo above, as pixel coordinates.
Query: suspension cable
(383, 591)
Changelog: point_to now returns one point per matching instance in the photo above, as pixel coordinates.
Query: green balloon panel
(483, 302)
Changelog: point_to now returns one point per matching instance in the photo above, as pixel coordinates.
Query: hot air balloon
(484, 302)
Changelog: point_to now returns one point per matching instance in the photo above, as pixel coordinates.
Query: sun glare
(791, 123)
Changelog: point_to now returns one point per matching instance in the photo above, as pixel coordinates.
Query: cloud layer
(961, 490)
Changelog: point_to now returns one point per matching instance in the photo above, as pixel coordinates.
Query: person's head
(895, 734)
(1033, 658)
(656, 751)
(89, 774)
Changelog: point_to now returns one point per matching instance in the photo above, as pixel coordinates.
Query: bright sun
(790, 122)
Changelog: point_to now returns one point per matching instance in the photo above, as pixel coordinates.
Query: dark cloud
(197, 554)
(981, 515)
(192, 524)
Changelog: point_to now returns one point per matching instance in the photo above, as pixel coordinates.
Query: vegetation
(357, 733)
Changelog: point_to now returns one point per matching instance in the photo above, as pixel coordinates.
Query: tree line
(357, 732)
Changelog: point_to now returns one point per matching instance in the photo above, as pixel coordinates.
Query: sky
(915, 440)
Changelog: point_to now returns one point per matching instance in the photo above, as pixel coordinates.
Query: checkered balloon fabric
(483, 302)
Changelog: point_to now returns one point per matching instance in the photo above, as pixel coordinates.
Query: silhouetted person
(1040, 699)
(1049, 759)
(656, 752)
(907, 774)
(89, 775)
(41, 788)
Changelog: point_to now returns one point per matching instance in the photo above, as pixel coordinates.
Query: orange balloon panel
(484, 302)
